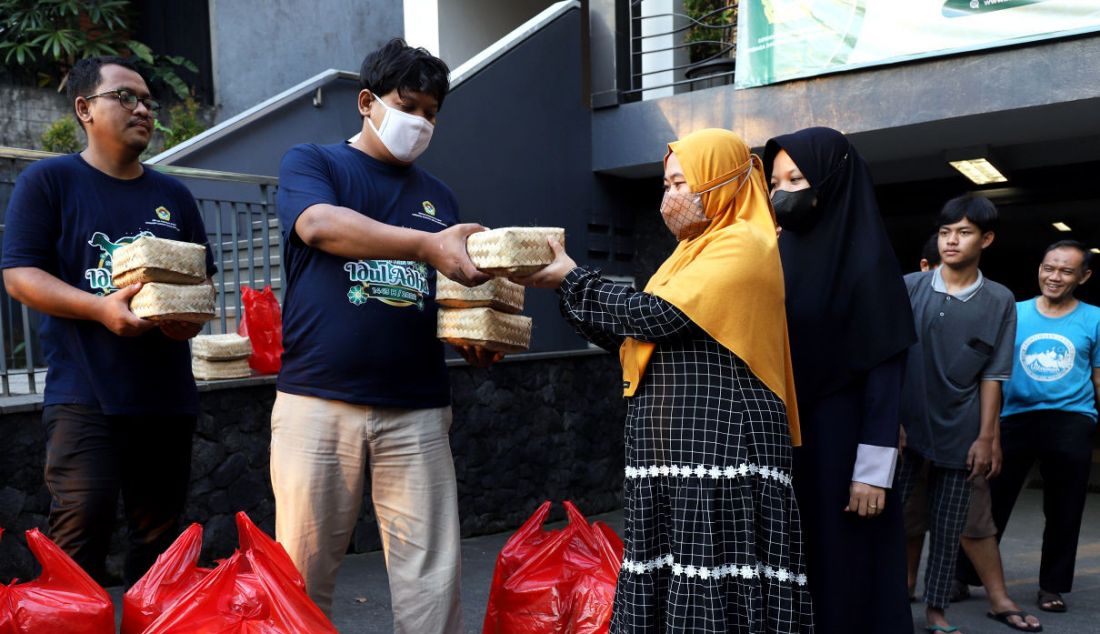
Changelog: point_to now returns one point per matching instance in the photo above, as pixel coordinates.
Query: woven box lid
(498, 293)
(513, 250)
(149, 259)
(189, 302)
(485, 327)
(221, 347)
(207, 370)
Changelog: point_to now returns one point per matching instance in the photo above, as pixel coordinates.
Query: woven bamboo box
(484, 327)
(513, 250)
(190, 302)
(150, 259)
(207, 370)
(498, 293)
(229, 347)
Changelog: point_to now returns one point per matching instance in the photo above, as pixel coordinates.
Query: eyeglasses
(129, 100)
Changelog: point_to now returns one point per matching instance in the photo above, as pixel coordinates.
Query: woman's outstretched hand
(554, 273)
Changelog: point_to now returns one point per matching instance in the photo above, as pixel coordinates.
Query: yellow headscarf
(729, 279)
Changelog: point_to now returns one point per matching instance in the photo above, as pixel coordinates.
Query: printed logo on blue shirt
(99, 278)
(163, 219)
(397, 283)
(1047, 356)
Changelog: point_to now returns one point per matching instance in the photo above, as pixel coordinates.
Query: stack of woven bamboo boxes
(487, 315)
(216, 357)
(174, 288)
(173, 275)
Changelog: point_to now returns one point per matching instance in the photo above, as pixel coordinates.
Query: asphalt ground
(362, 601)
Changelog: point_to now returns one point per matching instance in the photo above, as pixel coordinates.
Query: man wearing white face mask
(363, 382)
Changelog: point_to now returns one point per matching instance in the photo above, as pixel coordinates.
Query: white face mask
(405, 135)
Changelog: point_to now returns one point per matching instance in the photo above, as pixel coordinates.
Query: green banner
(779, 40)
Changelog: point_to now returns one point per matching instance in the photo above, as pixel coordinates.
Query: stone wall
(27, 113)
(524, 431)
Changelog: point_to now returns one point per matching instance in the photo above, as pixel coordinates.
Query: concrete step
(272, 222)
(230, 287)
(257, 243)
(275, 258)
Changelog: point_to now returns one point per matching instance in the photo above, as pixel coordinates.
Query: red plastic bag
(256, 591)
(555, 582)
(174, 574)
(62, 600)
(262, 323)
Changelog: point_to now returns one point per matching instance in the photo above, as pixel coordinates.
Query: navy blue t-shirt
(364, 331)
(66, 218)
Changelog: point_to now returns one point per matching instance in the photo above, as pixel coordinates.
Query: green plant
(183, 117)
(714, 29)
(44, 36)
(62, 136)
(162, 69)
(40, 40)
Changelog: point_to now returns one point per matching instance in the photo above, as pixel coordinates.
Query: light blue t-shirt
(1054, 361)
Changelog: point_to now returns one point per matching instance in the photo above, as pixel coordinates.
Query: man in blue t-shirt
(363, 383)
(120, 402)
(1050, 412)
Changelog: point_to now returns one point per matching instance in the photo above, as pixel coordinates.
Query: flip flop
(1004, 617)
(1051, 602)
(940, 628)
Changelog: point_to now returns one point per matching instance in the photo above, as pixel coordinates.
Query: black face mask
(796, 211)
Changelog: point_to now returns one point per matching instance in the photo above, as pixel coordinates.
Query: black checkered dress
(713, 542)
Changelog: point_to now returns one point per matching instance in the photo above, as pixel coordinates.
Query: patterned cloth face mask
(684, 214)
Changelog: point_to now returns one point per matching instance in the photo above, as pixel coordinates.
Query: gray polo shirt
(962, 339)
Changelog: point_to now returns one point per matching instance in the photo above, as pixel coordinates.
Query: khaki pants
(320, 450)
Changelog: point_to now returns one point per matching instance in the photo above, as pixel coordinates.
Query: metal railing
(244, 237)
(679, 46)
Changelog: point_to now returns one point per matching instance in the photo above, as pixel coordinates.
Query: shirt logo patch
(398, 283)
(164, 214)
(429, 208)
(99, 278)
(1047, 356)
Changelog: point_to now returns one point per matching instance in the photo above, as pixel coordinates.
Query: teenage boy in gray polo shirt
(966, 326)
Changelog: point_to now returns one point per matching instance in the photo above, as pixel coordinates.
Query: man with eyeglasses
(120, 403)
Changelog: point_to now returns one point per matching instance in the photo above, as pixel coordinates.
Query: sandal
(941, 628)
(1004, 617)
(1051, 602)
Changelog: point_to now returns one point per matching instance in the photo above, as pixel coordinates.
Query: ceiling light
(976, 164)
(1094, 250)
(1061, 226)
(979, 170)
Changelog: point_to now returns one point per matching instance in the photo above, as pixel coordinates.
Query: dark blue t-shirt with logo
(67, 218)
(361, 331)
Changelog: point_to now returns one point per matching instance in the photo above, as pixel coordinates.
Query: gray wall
(28, 112)
(258, 147)
(903, 116)
(468, 26)
(261, 49)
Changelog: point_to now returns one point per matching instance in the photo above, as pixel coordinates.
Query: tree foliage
(40, 40)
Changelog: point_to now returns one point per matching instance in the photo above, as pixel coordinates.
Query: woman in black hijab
(850, 323)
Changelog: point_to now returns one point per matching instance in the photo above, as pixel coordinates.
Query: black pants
(91, 458)
(1062, 443)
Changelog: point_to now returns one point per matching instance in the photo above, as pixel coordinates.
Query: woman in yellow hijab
(712, 533)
